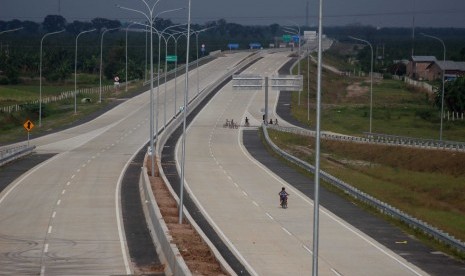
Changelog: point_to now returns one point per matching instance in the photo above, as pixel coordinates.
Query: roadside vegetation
(398, 109)
(427, 184)
(55, 115)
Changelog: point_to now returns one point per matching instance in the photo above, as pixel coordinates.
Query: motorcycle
(283, 199)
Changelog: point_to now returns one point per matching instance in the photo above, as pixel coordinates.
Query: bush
(425, 114)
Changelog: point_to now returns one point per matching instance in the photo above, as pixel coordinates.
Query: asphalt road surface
(239, 196)
(63, 217)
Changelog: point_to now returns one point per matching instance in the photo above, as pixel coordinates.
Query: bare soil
(355, 90)
(194, 250)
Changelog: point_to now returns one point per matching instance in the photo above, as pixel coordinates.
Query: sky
(378, 13)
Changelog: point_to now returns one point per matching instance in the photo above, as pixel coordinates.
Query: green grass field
(429, 185)
(397, 108)
(55, 114)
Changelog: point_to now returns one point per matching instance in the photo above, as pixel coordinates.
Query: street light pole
(12, 30)
(40, 74)
(127, 29)
(197, 33)
(75, 69)
(371, 80)
(151, 19)
(183, 154)
(298, 50)
(316, 200)
(101, 61)
(443, 80)
(161, 34)
(176, 70)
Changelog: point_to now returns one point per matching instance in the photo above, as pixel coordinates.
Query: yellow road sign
(28, 125)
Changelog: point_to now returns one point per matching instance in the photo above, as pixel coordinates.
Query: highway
(239, 197)
(63, 217)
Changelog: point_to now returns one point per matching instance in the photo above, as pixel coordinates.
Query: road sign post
(28, 125)
(171, 58)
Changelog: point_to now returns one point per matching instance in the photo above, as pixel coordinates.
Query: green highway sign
(171, 58)
(287, 38)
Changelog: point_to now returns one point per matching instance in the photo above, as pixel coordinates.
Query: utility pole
(413, 28)
(306, 16)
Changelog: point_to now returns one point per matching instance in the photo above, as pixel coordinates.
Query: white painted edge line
(202, 209)
(26, 176)
(324, 211)
(119, 214)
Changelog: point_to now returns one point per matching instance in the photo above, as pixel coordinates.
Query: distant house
(452, 70)
(416, 68)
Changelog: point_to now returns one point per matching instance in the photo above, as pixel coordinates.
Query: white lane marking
(335, 272)
(49, 230)
(229, 177)
(245, 193)
(83, 165)
(88, 161)
(121, 234)
(73, 176)
(68, 183)
(63, 192)
(46, 248)
(375, 245)
(42, 271)
(308, 249)
(287, 232)
(54, 214)
(235, 184)
(255, 203)
(93, 157)
(269, 216)
(59, 202)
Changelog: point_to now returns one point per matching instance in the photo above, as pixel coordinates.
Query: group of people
(230, 124)
(271, 120)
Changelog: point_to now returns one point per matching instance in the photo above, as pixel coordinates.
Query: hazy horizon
(377, 13)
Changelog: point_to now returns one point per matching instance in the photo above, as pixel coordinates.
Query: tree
(274, 28)
(57, 65)
(77, 26)
(13, 24)
(398, 69)
(103, 23)
(53, 23)
(31, 27)
(454, 95)
(116, 62)
(462, 54)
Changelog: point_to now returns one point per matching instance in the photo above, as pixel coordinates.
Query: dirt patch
(195, 252)
(355, 90)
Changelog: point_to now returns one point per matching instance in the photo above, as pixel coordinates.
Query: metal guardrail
(416, 142)
(381, 139)
(383, 207)
(172, 125)
(9, 154)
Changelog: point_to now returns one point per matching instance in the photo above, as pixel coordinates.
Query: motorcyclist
(283, 195)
